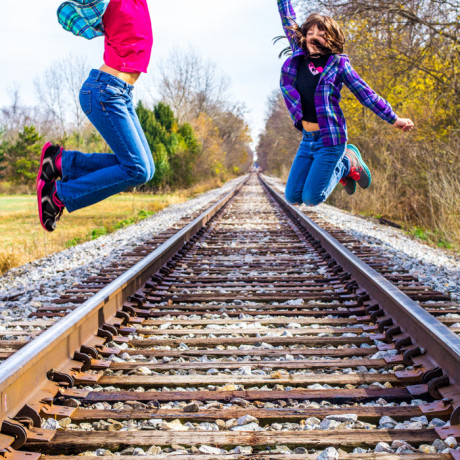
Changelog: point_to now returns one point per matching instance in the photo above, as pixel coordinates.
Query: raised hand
(404, 124)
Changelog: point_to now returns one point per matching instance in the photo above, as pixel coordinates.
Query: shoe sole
(40, 209)
(351, 192)
(360, 158)
(42, 157)
(40, 184)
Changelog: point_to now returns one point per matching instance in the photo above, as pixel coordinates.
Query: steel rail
(23, 375)
(440, 342)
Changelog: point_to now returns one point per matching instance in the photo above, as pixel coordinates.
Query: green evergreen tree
(3, 145)
(156, 137)
(174, 148)
(24, 156)
(165, 116)
(184, 158)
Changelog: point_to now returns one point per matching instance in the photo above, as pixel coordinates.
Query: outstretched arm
(288, 15)
(369, 98)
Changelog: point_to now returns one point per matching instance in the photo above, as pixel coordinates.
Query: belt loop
(98, 76)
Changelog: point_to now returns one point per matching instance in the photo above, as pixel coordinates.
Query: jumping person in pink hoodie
(73, 180)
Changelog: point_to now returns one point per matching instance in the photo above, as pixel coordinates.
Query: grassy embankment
(22, 239)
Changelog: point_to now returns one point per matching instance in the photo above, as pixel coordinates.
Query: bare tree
(15, 116)
(192, 85)
(58, 92)
(279, 142)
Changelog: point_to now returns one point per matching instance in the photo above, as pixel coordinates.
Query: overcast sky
(236, 34)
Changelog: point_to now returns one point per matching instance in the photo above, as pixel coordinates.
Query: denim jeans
(316, 170)
(90, 178)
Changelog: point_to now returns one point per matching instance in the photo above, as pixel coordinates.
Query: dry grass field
(22, 239)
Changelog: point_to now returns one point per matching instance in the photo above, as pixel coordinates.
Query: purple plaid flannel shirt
(337, 71)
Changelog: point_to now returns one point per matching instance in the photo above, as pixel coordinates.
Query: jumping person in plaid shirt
(73, 180)
(311, 81)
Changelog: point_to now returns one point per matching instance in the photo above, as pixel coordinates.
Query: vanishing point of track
(250, 333)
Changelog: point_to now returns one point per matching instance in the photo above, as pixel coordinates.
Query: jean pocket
(85, 101)
(110, 90)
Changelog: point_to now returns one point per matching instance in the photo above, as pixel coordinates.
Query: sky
(236, 34)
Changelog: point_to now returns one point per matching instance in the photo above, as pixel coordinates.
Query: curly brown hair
(334, 39)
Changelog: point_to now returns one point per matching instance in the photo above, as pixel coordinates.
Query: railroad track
(250, 333)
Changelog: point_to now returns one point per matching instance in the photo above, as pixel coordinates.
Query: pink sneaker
(50, 207)
(50, 163)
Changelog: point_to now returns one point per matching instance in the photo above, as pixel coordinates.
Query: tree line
(194, 129)
(410, 54)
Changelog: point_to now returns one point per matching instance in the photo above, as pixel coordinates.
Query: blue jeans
(90, 178)
(316, 170)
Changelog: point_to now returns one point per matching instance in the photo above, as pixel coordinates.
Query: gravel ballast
(45, 279)
(437, 268)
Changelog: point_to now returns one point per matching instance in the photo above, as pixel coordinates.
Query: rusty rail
(206, 279)
(412, 320)
(25, 373)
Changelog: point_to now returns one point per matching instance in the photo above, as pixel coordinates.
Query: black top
(308, 74)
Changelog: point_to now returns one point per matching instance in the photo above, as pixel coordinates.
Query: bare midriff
(129, 78)
(309, 127)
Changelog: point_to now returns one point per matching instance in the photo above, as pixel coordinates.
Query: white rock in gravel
(387, 422)
(155, 422)
(329, 454)
(382, 447)
(175, 425)
(329, 424)
(422, 419)
(398, 444)
(315, 386)
(312, 421)
(415, 426)
(242, 450)
(384, 354)
(245, 370)
(51, 424)
(245, 419)
(294, 302)
(210, 450)
(451, 442)
(206, 426)
(343, 418)
(248, 427)
(436, 422)
(400, 426)
(143, 371)
(282, 450)
(427, 449)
